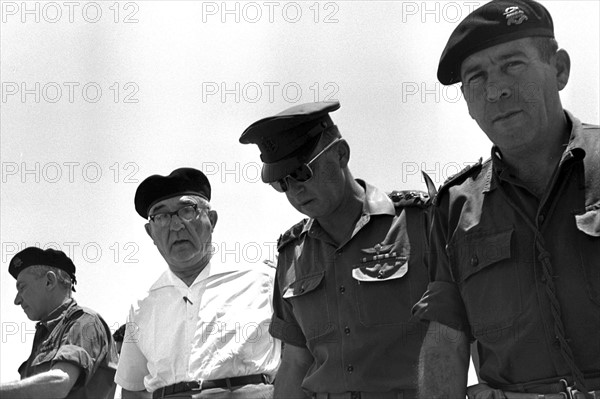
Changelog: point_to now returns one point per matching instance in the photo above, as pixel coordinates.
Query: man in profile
(73, 355)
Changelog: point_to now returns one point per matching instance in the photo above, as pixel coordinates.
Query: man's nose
(498, 88)
(176, 223)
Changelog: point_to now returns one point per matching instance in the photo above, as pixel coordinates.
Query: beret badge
(514, 16)
(17, 262)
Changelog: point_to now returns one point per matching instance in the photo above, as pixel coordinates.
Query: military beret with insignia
(33, 256)
(182, 181)
(496, 22)
(286, 139)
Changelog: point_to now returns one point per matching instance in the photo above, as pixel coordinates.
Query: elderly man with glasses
(202, 331)
(348, 275)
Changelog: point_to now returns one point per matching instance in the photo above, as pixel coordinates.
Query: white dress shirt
(218, 327)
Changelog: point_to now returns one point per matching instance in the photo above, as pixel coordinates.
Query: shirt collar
(57, 314)
(573, 150)
(376, 202)
(170, 279)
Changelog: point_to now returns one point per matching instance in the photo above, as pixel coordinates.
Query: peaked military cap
(34, 256)
(496, 22)
(182, 181)
(287, 139)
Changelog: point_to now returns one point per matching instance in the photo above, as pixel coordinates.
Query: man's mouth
(179, 242)
(505, 116)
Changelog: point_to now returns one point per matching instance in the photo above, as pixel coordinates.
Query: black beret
(286, 139)
(34, 256)
(182, 181)
(496, 22)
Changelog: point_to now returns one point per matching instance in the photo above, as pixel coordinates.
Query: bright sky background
(129, 89)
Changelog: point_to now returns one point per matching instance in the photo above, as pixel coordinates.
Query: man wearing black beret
(73, 355)
(348, 275)
(515, 242)
(202, 330)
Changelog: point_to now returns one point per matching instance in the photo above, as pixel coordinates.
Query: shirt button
(474, 261)
(342, 289)
(347, 330)
(350, 368)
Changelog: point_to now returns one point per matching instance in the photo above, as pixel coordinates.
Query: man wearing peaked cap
(73, 355)
(515, 243)
(348, 275)
(202, 330)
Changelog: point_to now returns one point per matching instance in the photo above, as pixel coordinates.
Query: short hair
(63, 278)
(546, 46)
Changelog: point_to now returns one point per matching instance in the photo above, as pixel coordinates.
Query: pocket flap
(482, 250)
(303, 285)
(589, 222)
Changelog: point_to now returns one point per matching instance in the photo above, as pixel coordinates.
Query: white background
(179, 83)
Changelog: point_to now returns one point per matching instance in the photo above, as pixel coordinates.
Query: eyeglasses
(187, 214)
(303, 173)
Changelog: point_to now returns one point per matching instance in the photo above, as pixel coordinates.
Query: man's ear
(213, 217)
(51, 280)
(343, 151)
(149, 231)
(562, 63)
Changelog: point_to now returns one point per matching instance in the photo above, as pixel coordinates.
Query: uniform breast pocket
(384, 298)
(308, 298)
(488, 280)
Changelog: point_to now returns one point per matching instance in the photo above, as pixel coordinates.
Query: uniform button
(301, 289)
(347, 330)
(541, 218)
(350, 368)
(342, 289)
(474, 261)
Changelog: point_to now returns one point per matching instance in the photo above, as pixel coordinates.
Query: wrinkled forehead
(176, 202)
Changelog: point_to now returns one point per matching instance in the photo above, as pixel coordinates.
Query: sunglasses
(303, 173)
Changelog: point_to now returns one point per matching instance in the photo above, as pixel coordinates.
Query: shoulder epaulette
(291, 234)
(459, 177)
(406, 198)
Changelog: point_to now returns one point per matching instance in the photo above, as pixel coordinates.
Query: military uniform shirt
(486, 270)
(79, 336)
(349, 305)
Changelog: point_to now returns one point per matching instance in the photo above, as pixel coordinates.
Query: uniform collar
(376, 202)
(57, 315)
(169, 279)
(573, 151)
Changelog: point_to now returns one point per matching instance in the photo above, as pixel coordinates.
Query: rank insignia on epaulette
(381, 264)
